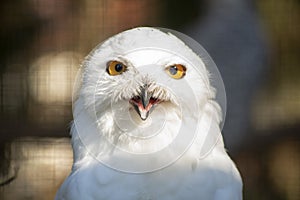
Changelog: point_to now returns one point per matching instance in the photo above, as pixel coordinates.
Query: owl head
(142, 91)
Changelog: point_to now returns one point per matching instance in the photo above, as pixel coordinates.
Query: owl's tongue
(143, 106)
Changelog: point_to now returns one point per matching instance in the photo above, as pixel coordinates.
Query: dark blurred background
(255, 44)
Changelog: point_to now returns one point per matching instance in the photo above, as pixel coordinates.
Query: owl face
(140, 84)
(144, 92)
(143, 69)
(147, 95)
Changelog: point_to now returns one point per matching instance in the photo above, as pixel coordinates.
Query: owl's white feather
(204, 171)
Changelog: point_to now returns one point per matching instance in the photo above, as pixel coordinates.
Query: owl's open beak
(144, 103)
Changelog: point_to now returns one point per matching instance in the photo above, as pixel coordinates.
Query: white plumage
(146, 125)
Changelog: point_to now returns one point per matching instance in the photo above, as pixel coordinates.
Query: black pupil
(173, 70)
(119, 67)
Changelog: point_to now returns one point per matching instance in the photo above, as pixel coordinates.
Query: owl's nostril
(136, 98)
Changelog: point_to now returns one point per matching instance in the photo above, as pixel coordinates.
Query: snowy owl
(147, 125)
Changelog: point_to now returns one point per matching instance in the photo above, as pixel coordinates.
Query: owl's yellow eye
(115, 68)
(176, 71)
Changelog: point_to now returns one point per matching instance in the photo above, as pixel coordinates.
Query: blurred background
(255, 44)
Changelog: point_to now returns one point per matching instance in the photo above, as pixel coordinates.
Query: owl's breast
(182, 180)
